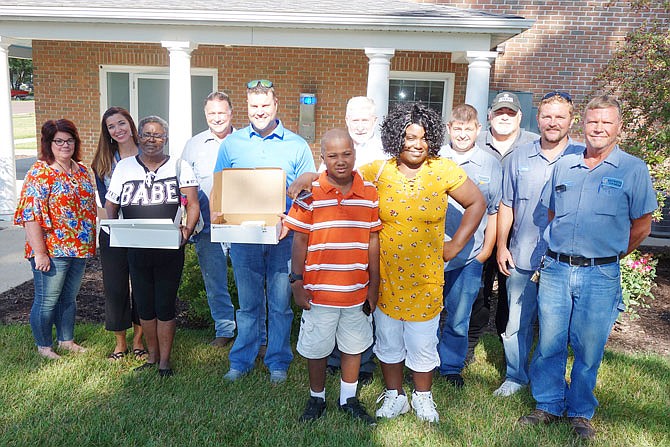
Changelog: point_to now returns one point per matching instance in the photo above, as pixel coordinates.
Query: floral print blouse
(413, 213)
(64, 206)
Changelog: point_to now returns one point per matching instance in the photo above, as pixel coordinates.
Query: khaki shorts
(321, 326)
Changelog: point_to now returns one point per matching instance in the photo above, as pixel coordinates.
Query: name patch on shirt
(482, 179)
(612, 182)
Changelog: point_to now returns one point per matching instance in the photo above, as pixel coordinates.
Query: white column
(479, 74)
(7, 162)
(180, 94)
(379, 68)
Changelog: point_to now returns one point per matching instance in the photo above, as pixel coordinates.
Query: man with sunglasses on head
(262, 271)
(600, 202)
(521, 221)
(503, 136)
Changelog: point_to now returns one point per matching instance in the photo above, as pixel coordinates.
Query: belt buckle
(579, 261)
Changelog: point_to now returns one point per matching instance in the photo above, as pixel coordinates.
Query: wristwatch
(293, 277)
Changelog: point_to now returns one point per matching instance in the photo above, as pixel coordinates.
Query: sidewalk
(14, 269)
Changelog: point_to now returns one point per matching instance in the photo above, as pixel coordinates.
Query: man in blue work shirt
(261, 271)
(462, 274)
(521, 215)
(600, 203)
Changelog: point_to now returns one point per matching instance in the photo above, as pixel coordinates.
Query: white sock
(422, 393)
(347, 390)
(321, 394)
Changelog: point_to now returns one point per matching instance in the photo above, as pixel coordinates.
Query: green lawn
(24, 125)
(85, 400)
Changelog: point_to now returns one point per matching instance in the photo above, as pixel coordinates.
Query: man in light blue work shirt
(261, 271)
(600, 203)
(524, 218)
(463, 273)
(201, 153)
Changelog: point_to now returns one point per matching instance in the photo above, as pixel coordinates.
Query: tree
(638, 75)
(20, 71)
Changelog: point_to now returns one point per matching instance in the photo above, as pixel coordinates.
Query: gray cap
(505, 99)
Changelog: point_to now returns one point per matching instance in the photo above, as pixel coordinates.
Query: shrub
(638, 272)
(192, 289)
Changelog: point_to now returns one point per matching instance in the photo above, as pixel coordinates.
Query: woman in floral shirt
(57, 209)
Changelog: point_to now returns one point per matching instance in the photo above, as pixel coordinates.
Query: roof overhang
(444, 30)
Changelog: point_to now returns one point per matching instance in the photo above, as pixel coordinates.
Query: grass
(86, 400)
(24, 125)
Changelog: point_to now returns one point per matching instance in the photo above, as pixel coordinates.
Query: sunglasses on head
(563, 95)
(262, 82)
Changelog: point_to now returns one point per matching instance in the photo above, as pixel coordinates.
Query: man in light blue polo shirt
(600, 203)
(201, 153)
(261, 271)
(524, 218)
(462, 274)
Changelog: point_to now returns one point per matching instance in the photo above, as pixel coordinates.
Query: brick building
(87, 58)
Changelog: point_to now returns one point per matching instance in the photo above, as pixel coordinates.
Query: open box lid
(249, 194)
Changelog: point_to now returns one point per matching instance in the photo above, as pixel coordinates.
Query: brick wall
(569, 44)
(67, 78)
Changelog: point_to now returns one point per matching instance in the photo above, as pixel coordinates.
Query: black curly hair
(405, 114)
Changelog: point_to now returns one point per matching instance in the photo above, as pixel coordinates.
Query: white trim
(141, 71)
(448, 78)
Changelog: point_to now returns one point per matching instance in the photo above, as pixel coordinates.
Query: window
(433, 89)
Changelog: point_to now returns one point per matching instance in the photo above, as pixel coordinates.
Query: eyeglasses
(262, 82)
(563, 95)
(60, 142)
(155, 136)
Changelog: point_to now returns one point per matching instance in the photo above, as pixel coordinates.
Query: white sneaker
(508, 388)
(425, 407)
(394, 404)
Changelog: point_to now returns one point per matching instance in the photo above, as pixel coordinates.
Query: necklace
(68, 173)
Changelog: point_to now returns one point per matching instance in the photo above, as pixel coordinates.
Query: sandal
(117, 355)
(140, 353)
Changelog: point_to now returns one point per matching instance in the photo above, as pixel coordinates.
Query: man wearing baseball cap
(503, 136)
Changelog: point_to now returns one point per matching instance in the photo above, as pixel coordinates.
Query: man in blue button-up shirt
(521, 221)
(600, 203)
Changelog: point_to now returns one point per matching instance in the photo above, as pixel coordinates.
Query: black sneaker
(316, 407)
(365, 378)
(455, 379)
(357, 411)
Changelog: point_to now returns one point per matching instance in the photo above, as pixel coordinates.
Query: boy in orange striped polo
(335, 272)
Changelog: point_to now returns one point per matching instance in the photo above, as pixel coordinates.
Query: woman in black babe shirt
(146, 187)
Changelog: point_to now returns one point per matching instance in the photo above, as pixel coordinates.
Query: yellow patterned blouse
(413, 212)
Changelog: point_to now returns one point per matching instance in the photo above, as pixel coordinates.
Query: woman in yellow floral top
(413, 188)
(57, 209)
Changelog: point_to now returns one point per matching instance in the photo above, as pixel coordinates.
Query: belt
(581, 261)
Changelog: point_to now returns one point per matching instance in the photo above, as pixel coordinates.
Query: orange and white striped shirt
(339, 227)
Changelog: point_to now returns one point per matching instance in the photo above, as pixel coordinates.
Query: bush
(192, 289)
(638, 272)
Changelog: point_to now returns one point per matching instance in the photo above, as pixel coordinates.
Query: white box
(251, 201)
(142, 233)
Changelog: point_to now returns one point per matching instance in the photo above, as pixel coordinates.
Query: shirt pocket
(526, 182)
(566, 200)
(608, 200)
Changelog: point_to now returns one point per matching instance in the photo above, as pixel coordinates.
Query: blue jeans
(261, 274)
(576, 305)
(518, 336)
(214, 268)
(460, 290)
(55, 299)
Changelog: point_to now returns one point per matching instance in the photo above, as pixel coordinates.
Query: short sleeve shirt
(246, 148)
(143, 194)
(593, 208)
(485, 171)
(525, 172)
(339, 227)
(412, 212)
(64, 206)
